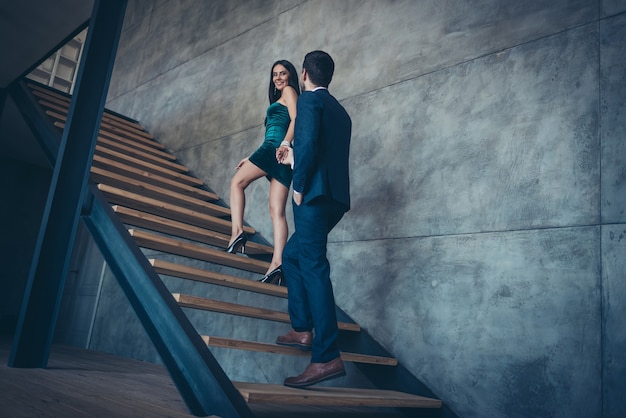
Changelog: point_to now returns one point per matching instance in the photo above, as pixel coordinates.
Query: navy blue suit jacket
(321, 148)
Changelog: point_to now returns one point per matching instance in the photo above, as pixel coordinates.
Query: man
(321, 195)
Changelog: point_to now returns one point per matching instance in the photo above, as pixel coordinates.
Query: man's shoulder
(309, 98)
(309, 95)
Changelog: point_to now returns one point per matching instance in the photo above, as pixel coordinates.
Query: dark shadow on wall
(24, 189)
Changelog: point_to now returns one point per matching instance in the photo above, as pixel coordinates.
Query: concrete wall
(486, 245)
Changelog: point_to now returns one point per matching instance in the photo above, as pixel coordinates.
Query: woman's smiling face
(280, 76)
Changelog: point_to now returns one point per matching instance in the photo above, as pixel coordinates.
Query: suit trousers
(311, 300)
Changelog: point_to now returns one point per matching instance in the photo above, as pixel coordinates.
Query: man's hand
(297, 198)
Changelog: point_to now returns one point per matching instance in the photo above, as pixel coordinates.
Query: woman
(279, 124)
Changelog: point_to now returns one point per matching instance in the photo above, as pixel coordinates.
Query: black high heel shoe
(274, 277)
(240, 241)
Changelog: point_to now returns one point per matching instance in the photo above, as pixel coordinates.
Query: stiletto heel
(274, 277)
(281, 281)
(240, 241)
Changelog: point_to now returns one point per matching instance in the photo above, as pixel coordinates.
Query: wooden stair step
(195, 302)
(147, 143)
(199, 252)
(136, 149)
(117, 196)
(124, 131)
(107, 128)
(104, 126)
(159, 165)
(157, 223)
(152, 178)
(157, 169)
(137, 152)
(191, 273)
(141, 148)
(49, 94)
(58, 110)
(279, 349)
(127, 123)
(158, 193)
(137, 218)
(134, 126)
(109, 116)
(264, 393)
(56, 105)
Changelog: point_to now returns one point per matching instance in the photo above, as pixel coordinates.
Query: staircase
(167, 210)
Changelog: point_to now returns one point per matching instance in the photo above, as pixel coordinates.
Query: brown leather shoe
(301, 340)
(317, 372)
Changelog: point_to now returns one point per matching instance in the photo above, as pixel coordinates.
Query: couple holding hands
(307, 142)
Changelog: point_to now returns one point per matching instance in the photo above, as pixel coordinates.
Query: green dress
(276, 125)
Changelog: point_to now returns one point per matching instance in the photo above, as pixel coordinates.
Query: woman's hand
(284, 155)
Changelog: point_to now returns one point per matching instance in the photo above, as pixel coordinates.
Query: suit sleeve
(306, 140)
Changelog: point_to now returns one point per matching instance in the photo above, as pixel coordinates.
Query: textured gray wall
(486, 245)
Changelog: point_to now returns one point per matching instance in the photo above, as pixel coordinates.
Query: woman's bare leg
(245, 175)
(278, 201)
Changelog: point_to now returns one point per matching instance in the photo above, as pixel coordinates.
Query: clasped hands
(284, 155)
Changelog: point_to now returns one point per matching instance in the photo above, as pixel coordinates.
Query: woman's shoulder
(289, 97)
(289, 91)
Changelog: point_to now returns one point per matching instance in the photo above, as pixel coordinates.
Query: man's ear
(305, 75)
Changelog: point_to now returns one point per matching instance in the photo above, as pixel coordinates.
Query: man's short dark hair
(320, 67)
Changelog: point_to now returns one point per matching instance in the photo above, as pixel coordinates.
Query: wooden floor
(85, 383)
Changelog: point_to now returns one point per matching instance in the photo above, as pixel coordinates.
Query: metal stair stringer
(200, 379)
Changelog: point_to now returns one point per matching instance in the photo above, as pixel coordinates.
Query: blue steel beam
(201, 381)
(36, 120)
(44, 288)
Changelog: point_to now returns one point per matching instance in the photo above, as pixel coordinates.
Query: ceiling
(32, 29)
